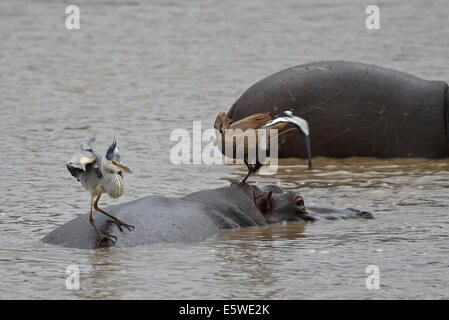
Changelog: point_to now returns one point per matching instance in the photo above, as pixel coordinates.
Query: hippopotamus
(194, 217)
(354, 109)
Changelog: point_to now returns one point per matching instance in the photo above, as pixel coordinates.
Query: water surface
(140, 69)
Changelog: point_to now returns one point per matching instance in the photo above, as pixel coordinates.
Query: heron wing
(283, 135)
(254, 121)
(80, 161)
(297, 121)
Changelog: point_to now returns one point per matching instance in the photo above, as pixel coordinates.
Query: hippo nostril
(298, 201)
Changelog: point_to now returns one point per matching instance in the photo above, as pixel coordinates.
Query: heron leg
(250, 170)
(101, 235)
(117, 221)
(257, 166)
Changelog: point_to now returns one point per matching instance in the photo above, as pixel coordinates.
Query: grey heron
(99, 174)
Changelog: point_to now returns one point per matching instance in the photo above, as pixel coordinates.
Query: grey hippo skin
(194, 217)
(355, 109)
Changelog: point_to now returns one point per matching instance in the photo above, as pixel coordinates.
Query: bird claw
(121, 223)
(106, 236)
(128, 226)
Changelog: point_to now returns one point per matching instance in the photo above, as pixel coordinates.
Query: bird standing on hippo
(354, 109)
(99, 174)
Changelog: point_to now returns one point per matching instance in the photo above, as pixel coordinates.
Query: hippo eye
(298, 200)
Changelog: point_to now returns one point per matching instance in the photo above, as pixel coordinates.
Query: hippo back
(156, 219)
(354, 109)
(230, 207)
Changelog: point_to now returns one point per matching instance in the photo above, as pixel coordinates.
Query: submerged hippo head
(278, 206)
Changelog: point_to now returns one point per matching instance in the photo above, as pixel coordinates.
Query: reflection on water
(139, 71)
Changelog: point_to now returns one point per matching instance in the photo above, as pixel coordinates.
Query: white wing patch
(299, 122)
(81, 158)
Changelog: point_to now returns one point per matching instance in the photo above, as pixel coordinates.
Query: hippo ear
(264, 202)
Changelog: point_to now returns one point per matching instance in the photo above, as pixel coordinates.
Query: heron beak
(123, 167)
(309, 151)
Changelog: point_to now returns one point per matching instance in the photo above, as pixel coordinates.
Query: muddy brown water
(138, 70)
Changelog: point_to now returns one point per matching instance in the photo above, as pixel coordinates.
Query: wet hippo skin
(355, 109)
(194, 217)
